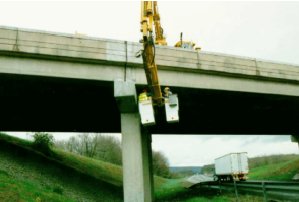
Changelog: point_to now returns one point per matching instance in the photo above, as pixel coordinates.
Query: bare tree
(108, 148)
(98, 146)
(160, 164)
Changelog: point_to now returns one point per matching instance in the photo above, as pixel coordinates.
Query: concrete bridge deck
(68, 81)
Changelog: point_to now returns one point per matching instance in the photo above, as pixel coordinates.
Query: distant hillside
(208, 169)
(272, 159)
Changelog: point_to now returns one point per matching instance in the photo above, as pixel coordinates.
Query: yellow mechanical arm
(149, 14)
(160, 39)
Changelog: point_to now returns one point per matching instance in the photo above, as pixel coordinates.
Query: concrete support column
(148, 163)
(136, 146)
(136, 152)
(295, 138)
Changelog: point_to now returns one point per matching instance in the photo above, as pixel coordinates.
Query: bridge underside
(53, 104)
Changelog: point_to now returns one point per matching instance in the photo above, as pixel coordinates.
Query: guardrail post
(220, 190)
(264, 191)
(236, 191)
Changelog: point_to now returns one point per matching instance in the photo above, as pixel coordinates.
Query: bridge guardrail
(278, 190)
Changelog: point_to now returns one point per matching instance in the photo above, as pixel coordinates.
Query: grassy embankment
(28, 175)
(285, 169)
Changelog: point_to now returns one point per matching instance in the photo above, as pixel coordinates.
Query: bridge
(63, 82)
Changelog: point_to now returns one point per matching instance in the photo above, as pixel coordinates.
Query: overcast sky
(264, 30)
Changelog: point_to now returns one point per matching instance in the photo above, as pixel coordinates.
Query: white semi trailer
(233, 166)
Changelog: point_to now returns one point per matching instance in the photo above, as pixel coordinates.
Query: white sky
(265, 30)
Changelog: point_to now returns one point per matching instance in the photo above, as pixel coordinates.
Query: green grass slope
(12, 189)
(98, 169)
(26, 175)
(284, 170)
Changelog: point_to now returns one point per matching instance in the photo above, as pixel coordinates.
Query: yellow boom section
(148, 16)
(160, 39)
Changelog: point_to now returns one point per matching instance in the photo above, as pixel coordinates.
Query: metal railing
(278, 190)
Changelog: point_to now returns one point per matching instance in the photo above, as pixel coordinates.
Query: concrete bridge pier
(295, 138)
(136, 146)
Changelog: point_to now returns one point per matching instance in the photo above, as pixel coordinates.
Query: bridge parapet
(62, 46)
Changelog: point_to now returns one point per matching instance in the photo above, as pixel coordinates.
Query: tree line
(108, 148)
